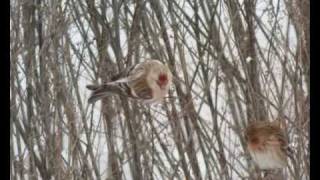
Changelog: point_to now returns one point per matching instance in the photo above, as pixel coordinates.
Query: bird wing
(145, 93)
(101, 91)
(129, 74)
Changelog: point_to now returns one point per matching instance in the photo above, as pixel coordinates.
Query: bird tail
(101, 91)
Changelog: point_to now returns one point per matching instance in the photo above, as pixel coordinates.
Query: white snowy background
(58, 47)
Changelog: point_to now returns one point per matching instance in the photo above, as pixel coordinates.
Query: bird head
(159, 75)
(259, 132)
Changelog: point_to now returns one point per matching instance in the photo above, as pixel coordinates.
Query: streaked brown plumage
(148, 81)
(267, 144)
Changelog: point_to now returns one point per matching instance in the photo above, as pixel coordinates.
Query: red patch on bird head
(254, 140)
(163, 78)
(255, 144)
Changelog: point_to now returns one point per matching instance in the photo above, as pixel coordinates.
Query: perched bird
(267, 145)
(148, 81)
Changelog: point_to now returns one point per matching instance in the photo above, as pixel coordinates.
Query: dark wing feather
(145, 93)
(141, 87)
(101, 91)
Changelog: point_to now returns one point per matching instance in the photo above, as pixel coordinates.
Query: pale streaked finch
(148, 81)
(267, 144)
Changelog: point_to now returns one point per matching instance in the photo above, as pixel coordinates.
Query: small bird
(267, 145)
(148, 81)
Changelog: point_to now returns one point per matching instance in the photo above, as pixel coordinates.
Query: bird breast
(267, 158)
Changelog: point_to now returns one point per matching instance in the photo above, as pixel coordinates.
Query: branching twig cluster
(232, 61)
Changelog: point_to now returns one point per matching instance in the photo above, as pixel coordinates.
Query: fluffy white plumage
(267, 145)
(148, 81)
(268, 159)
